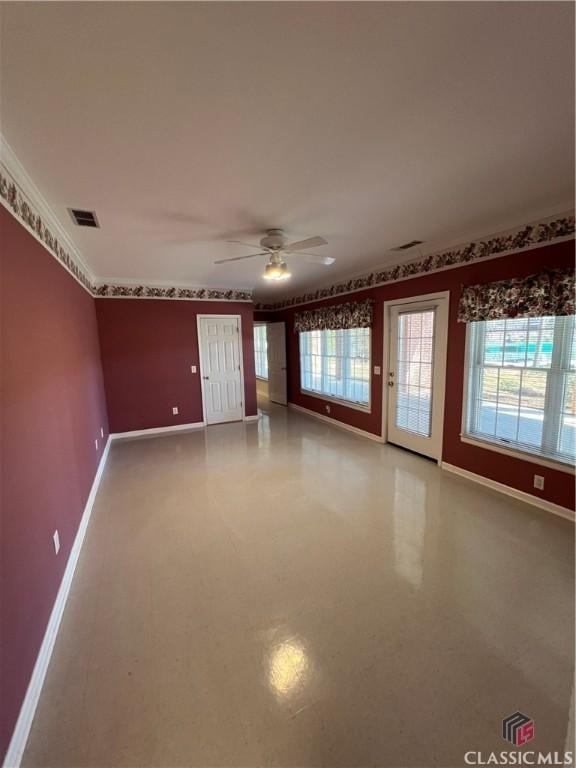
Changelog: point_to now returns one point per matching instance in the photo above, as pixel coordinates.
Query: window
(261, 351)
(336, 364)
(521, 385)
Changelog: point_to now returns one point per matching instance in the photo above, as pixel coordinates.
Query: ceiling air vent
(83, 218)
(411, 244)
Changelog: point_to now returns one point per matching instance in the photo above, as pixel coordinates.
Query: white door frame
(386, 358)
(241, 355)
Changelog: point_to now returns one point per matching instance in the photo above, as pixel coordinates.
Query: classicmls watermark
(519, 729)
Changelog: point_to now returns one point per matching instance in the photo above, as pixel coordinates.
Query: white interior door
(277, 384)
(417, 374)
(220, 368)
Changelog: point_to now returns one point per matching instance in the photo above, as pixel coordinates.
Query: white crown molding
(22, 198)
(535, 234)
(20, 195)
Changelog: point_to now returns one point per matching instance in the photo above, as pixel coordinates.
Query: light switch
(175, 411)
(96, 444)
(193, 368)
(376, 370)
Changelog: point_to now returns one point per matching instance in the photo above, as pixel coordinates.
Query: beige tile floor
(288, 594)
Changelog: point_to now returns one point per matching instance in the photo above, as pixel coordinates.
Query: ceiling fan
(274, 245)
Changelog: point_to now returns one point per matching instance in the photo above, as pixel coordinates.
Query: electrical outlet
(193, 368)
(539, 482)
(96, 444)
(327, 409)
(377, 370)
(102, 432)
(56, 540)
(175, 411)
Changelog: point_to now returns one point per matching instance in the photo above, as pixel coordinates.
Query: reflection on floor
(283, 593)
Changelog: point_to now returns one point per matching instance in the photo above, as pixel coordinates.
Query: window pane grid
(336, 363)
(521, 384)
(261, 351)
(414, 371)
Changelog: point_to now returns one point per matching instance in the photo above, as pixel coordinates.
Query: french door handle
(390, 383)
(206, 377)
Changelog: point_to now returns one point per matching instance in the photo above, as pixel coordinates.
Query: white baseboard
(28, 708)
(157, 430)
(252, 418)
(336, 423)
(529, 498)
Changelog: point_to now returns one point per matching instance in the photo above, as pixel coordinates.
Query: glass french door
(416, 374)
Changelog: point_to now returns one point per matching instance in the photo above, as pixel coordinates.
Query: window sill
(517, 453)
(337, 401)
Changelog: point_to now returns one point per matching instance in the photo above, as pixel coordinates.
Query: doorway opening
(270, 361)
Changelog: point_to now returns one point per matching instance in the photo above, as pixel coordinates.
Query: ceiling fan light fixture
(276, 271)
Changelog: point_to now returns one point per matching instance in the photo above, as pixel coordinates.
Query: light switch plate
(102, 433)
(327, 409)
(539, 482)
(175, 411)
(377, 370)
(56, 540)
(96, 444)
(193, 368)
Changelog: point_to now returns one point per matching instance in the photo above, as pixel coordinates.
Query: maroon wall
(148, 346)
(52, 410)
(559, 486)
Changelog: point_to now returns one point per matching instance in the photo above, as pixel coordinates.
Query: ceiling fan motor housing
(274, 240)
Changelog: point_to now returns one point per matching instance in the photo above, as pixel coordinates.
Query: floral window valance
(355, 314)
(548, 293)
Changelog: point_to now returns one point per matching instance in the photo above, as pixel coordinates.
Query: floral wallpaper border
(523, 237)
(22, 209)
(111, 291)
(498, 245)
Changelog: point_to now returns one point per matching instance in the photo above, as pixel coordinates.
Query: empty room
(287, 384)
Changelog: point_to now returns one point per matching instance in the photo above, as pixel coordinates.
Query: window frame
(332, 398)
(494, 444)
(259, 325)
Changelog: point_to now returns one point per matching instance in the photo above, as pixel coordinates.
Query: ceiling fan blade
(240, 258)
(311, 242)
(314, 258)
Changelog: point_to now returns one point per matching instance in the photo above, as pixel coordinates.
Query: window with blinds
(261, 351)
(522, 385)
(336, 364)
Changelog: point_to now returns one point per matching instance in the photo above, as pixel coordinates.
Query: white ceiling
(187, 124)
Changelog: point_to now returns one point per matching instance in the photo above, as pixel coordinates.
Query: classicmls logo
(518, 729)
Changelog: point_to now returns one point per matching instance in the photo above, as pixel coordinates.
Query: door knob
(206, 377)
(390, 383)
